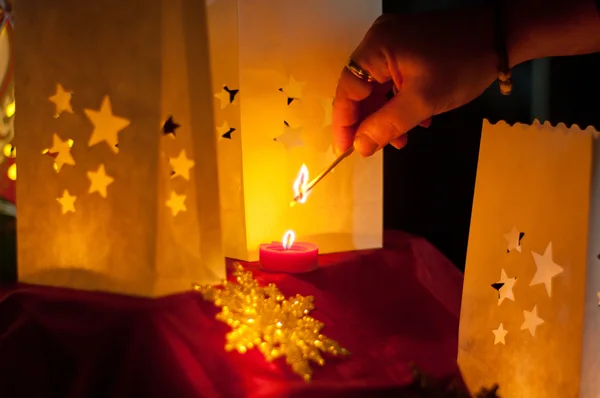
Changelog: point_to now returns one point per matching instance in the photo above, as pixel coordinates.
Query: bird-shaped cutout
(227, 135)
(225, 131)
(170, 126)
(232, 93)
(226, 96)
(497, 286)
(293, 90)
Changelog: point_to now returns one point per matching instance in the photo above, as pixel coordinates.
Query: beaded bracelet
(504, 74)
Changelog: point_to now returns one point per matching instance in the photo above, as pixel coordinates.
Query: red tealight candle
(288, 256)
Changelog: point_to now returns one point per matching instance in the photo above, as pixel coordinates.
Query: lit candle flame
(288, 239)
(300, 185)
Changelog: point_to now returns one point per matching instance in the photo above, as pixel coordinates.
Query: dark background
(428, 185)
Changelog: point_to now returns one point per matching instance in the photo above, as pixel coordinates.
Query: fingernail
(397, 145)
(365, 145)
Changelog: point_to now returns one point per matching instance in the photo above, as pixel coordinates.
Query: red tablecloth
(388, 307)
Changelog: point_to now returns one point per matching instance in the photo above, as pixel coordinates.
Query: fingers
(346, 109)
(425, 123)
(389, 123)
(399, 142)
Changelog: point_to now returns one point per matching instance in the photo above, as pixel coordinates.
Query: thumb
(395, 118)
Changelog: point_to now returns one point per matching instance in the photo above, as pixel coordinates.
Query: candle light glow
(300, 185)
(288, 239)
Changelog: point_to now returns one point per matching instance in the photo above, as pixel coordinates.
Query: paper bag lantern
(275, 68)
(118, 180)
(530, 308)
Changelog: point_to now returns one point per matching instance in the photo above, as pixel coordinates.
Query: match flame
(300, 185)
(288, 239)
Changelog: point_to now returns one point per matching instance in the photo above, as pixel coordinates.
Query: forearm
(539, 29)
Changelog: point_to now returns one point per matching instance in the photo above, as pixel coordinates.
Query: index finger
(346, 109)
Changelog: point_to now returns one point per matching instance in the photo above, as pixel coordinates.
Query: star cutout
(327, 104)
(106, 125)
(226, 96)
(499, 335)
(513, 239)
(291, 137)
(61, 100)
(181, 165)
(532, 320)
(61, 152)
(67, 202)
(293, 90)
(170, 126)
(176, 203)
(99, 181)
(225, 131)
(505, 287)
(546, 269)
(598, 294)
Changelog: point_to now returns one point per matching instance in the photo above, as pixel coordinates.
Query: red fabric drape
(388, 307)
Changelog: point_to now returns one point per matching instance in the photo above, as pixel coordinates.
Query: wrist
(538, 29)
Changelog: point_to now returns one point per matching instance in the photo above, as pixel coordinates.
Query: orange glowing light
(300, 185)
(288, 239)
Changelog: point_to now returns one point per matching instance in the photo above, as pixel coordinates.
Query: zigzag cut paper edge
(574, 128)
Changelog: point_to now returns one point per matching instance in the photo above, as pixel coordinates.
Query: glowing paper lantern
(275, 68)
(118, 185)
(530, 309)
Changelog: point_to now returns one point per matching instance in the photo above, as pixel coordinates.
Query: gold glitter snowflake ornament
(261, 317)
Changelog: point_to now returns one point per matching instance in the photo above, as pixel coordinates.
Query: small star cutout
(61, 100)
(99, 181)
(181, 165)
(226, 96)
(67, 202)
(225, 131)
(170, 126)
(505, 287)
(499, 335)
(532, 321)
(106, 125)
(61, 152)
(513, 239)
(546, 269)
(327, 104)
(176, 203)
(291, 137)
(293, 90)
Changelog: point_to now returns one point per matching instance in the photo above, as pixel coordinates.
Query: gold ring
(359, 72)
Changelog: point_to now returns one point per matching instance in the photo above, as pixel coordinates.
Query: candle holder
(288, 256)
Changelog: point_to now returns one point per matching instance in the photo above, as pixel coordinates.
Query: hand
(438, 62)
